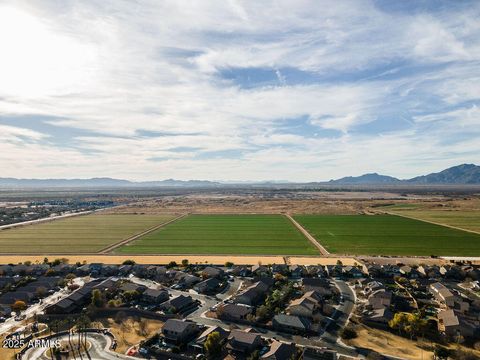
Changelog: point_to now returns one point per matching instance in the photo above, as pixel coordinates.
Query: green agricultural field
(469, 220)
(388, 235)
(225, 234)
(79, 234)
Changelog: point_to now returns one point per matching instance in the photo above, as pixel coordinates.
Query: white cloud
(117, 68)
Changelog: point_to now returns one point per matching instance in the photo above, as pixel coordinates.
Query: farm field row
(252, 234)
(79, 234)
(388, 235)
(224, 234)
(469, 220)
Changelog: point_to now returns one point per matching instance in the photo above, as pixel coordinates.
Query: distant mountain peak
(370, 178)
(461, 174)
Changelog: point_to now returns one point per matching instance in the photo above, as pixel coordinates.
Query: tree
(185, 262)
(120, 317)
(229, 264)
(41, 292)
(263, 312)
(98, 299)
(70, 277)
(143, 327)
(254, 356)
(172, 264)
(399, 322)
(348, 333)
(213, 345)
(441, 353)
(129, 262)
(50, 272)
(416, 324)
(130, 295)
(19, 305)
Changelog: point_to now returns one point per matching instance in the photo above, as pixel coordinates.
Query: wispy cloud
(372, 88)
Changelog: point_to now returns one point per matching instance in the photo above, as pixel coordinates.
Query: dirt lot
(130, 332)
(320, 202)
(165, 259)
(387, 343)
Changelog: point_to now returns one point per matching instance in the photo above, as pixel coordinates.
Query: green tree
(416, 324)
(213, 345)
(130, 295)
(399, 322)
(129, 262)
(229, 264)
(185, 262)
(98, 299)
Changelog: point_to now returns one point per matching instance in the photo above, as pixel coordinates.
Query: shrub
(348, 333)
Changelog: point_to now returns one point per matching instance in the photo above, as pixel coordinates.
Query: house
(260, 270)
(5, 310)
(453, 324)
(442, 294)
(177, 304)
(380, 299)
(280, 269)
(352, 272)
(83, 270)
(107, 285)
(154, 296)
(11, 297)
(320, 285)
(305, 306)
(289, 323)
(234, 312)
(241, 271)
(372, 286)
(243, 342)
(253, 294)
(319, 354)
(280, 351)
(64, 306)
(186, 281)
(124, 270)
(212, 272)
(297, 271)
(129, 286)
(378, 316)
(211, 329)
(207, 286)
(179, 331)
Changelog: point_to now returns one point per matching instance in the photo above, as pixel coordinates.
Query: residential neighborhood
(245, 312)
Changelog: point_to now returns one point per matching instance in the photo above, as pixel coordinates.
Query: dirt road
(314, 241)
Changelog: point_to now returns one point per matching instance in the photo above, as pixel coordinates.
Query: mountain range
(465, 174)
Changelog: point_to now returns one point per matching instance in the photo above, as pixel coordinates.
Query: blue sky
(238, 90)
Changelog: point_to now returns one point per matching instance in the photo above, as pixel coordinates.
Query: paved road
(327, 339)
(38, 307)
(31, 222)
(98, 351)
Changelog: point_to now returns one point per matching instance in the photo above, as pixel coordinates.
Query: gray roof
(240, 336)
(292, 321)
(176, 325)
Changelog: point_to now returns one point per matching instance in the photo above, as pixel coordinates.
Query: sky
(237, 90)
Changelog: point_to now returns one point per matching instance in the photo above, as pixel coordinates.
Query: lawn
(225, 234)
(388, 235)
(469, 220)
(79, 234)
